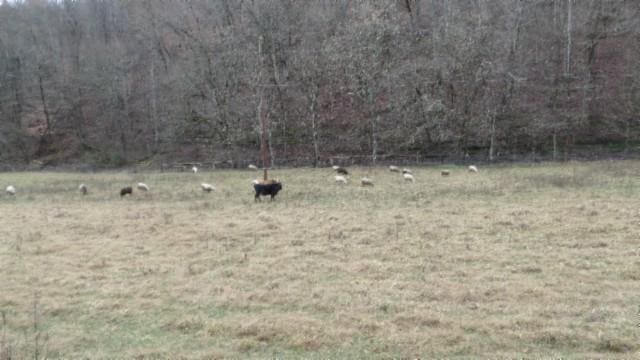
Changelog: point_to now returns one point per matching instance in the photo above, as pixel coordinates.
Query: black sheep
(126, 190)
(342, 171)
(271, 188)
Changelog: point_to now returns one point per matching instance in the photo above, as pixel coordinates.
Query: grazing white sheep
(252, 167)
(393, 168)
(406, 171)
(341, 179)
(408, 177)
(11, 190)
(473, 168)
(445, 173)
(194, 169)
(207, 187)
(83, 189)
(142, 187)
(335, 167)
(366, 181)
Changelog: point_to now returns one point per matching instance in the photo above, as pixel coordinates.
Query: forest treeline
(120, 81)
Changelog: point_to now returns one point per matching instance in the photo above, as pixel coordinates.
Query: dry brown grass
(523, 261)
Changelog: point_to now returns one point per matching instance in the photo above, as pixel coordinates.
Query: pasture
(514, 261)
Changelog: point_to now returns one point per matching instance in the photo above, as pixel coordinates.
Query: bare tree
(120, 81)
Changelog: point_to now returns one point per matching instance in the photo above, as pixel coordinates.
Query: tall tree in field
(368, 66)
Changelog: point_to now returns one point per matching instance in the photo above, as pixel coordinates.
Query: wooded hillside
(116, 82)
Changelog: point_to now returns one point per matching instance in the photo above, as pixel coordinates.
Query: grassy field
(515, 261)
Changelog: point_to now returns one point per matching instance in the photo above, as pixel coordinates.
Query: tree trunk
(263, 129)
(18, 108)
(43, 100)
(373, 123)
(446, 19)
(261, 113)
(125, 119)
(627, 135)
(280, 96)
(267, 128)
(154, 106)
(508, 94)
(492, 139)
(567, 64)
(374, 138)
(314, 128)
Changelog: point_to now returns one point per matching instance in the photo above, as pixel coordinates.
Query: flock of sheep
(342, 177)
(128, 190)
(145, 188)
(84, 190)
(270, 188)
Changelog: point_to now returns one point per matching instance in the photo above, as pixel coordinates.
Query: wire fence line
(399, 160)
(327, 161)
